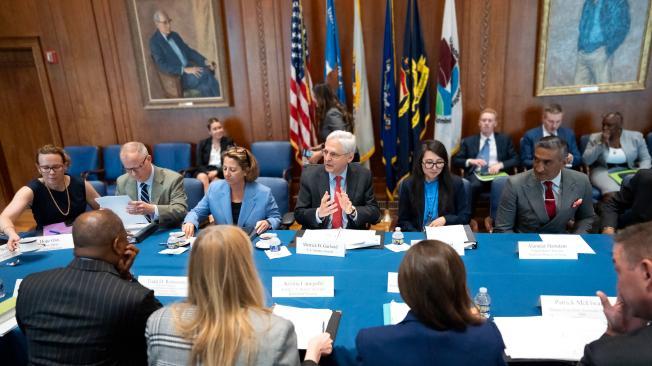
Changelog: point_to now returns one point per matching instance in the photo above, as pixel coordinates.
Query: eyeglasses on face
(167, 21)
(429, 164)
(135, 169)
(48, 168)
(333, 155)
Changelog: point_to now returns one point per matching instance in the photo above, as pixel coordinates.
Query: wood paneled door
(28, 118)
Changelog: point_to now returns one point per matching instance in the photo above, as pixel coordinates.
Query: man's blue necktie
(484, 155)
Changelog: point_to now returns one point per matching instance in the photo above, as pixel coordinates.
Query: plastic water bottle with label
(483, 302)
(397, 236)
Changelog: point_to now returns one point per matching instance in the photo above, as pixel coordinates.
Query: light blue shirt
(431, 202)
(556, 188)
(177, 51)
(332, 182)
(149, 182)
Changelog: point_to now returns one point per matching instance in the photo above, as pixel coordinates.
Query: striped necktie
(144, 196)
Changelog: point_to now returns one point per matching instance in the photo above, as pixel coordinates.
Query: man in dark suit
(628, 335)
(92, 312)
(486, 153)
(551, 126)
(337, 194)
(547, 197)
(173, 56)
(635, 197)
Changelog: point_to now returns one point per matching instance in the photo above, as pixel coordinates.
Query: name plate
(309, 286)
(175, 286)
(546, 250)
(392, 282)
(588, 307)
(327, 248)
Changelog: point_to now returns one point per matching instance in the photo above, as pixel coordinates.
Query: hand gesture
(319, 345)
(262, 226)
(140, 208)
(478, 163)
(327, 206)
(189, 229)
(12, 243)
(345, 202)
(440, 221)
(619, 316)
(127, 260)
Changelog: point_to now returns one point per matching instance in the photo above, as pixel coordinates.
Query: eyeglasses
(47, 169)
(429, 164)
(333, 155)
(168, 21)
(135, 169)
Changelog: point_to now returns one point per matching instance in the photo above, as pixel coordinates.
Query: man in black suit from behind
(631, 205)
(498, 155)
(337, 194)
(627, 338)
(92, 312)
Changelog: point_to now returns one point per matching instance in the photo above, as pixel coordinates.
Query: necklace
(55, 201)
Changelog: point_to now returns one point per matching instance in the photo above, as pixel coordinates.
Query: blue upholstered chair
(112, 166)
(497, 187)
(281, 192)
(99, 187)
(194, 191)
(274, 158)
(173, 155)
(85, 161)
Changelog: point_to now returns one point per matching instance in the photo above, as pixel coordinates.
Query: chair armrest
(85, 173)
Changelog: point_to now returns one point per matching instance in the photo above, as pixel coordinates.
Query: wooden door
(27, 120)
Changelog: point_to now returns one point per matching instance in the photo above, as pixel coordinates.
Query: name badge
(315, 247)
(392, 282)
(175, 286)
(311, 286)
(546, 250)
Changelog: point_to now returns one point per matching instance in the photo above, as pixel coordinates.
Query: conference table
(361, 278)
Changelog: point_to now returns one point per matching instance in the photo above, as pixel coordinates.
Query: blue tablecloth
(361, 277)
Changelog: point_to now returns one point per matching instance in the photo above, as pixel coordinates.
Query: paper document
(174, 251)
(175, 286)
(392, 282)
(572, 240)
(537, 337)
(16, 286)
(284, 252)
(453, 235)
(118, 204)
(398, 248)
(394, 312)
(588, 307)
(5, 253)
(352, 239)
(55, 242)
(7, 315)
(307, 322)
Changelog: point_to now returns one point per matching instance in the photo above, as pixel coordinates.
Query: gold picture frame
(198, 34)
(585, 47)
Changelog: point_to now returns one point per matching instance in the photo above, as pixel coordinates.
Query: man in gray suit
(156, 192)
(547, 198)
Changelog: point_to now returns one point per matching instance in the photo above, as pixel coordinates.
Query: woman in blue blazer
(432, 196)
(443, 327)
(237, 199)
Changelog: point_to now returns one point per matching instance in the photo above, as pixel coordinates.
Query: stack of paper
(118, 204)
(307, 322)
(7, 315)
(453, 235)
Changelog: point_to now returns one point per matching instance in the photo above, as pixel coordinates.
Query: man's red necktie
(551, 206)
(337, 216)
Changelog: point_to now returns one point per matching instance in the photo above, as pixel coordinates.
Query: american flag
(302, 133)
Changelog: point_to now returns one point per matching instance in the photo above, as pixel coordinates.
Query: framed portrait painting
(593, 46)
(180, 53)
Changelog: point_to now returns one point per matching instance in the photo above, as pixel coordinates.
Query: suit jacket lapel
(474, 149)
(534, 194)
(157, 185)
(351, 182)
(323, 185)
(248, 203)
(224, 201)
(131, 188)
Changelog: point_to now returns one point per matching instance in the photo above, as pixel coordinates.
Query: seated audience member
(338, 193)
(238, 199)
(635, 197)
(614, 148)
(552, 119)
(209, 153)
(547, 197)
(489, 152)
(627, 338)
(224, 320)
(55, 197)
(92, 312)
(156, 192)
(443, 326)
(432, 196)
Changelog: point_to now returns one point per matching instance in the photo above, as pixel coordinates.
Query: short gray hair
(134, 147)
(347, 139)
(158, 14)
(553, 143)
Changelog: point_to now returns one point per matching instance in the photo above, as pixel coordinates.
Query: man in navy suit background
(498, 155)
(550, 126)
(173, 56)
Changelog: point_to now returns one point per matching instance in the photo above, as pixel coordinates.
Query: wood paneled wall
(96, 93)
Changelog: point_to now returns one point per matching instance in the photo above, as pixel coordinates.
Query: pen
(54, 232)
(253, 234)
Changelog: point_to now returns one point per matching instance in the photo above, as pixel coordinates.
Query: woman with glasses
(224, 320)
(54, 198)
(238, 199)
(432, 196)
(443, 326)
(209, 153)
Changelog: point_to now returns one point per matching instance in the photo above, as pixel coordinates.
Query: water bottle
(397, 236)
(483, 302)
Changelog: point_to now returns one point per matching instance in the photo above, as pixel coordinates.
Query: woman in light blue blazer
(614, 148)
(237, 199)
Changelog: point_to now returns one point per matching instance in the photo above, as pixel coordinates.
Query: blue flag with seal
(333, 59)
(414, 92)
(388, 105)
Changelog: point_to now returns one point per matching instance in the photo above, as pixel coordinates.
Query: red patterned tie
(337, 216)
(551, 207)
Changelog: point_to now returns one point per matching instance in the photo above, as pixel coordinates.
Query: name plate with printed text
(303, 286)
(326, 248)
(546, 250)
